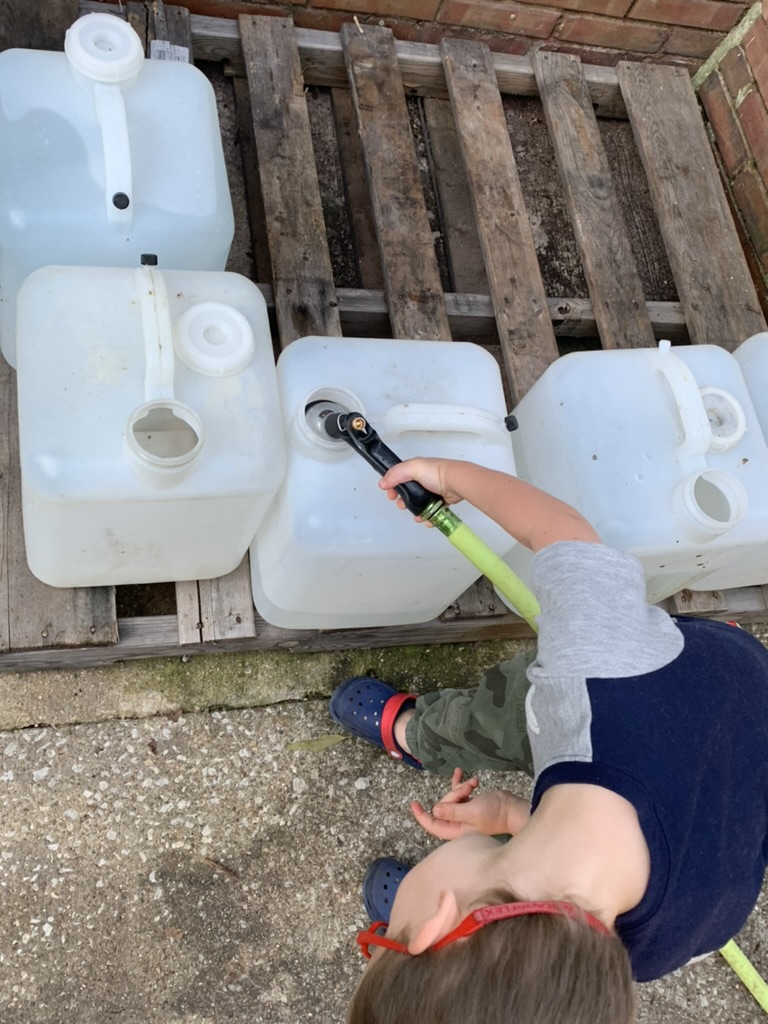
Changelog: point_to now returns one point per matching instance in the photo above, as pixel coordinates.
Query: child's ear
(444, 920)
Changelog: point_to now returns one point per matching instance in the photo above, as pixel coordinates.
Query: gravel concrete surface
(205, 867)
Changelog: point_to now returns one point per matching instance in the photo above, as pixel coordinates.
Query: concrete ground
(162, 862)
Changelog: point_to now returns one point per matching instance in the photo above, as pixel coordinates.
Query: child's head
(537, 968)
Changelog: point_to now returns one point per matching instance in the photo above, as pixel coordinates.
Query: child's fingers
(458, 795)
(438, 829)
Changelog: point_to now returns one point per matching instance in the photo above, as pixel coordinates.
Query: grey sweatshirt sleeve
(595, 620)
(595, 623)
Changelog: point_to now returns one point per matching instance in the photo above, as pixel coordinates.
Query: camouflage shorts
(479, 728)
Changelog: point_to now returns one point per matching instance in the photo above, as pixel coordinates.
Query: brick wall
(600, 31)
(733, 88)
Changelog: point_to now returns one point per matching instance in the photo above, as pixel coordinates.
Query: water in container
(662, 451)
(149, 427)
(105, 156)
(332, 551)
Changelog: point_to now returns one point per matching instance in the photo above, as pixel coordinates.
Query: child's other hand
(459, 812)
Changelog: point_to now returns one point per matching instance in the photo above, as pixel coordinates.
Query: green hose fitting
(487, 561)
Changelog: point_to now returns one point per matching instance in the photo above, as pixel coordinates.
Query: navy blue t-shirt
(673, 716)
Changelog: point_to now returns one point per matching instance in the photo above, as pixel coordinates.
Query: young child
(646, 839)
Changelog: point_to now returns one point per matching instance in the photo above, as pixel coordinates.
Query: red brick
(754, 121)
(613, 33)
(499, 17)
(608, 8)
(752, 201)
(232, 8)
(725, 124)
(423, 10)
(735, 71)
(756, 48)
(499, 42)
(692, 42)
(711, 14)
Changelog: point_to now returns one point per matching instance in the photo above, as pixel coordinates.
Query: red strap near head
(389, 713)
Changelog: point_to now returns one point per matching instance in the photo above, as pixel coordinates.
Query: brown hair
(537, 969)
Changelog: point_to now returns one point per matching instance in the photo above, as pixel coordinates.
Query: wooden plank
(711, 273)
(36, 26)
(226, 605)
(593, 205)
(364, 313)
(218, 39)
(356, 194)
(40, 616)
(254, 202)
(698, 602)
(517, 292)
(406, 245)
(462, 244)
(136, 15)
(305, 297)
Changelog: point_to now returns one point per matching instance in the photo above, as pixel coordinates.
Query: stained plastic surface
(106, 156)
(149, 427)
(332, 551)
(662, 451)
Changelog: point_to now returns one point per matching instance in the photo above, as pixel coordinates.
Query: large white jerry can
(149, 426)
(661, 450)
(332, 551)
(106, 156)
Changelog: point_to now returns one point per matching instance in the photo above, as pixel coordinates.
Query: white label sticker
(161, 49)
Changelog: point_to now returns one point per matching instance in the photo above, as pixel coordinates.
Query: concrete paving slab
(201, 868)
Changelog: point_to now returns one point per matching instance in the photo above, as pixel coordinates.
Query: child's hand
(458, 812)
(430, 473)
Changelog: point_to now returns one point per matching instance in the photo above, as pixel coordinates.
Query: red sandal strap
(389, 713)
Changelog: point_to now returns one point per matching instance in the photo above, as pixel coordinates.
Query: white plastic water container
(106, 156)
(149, 426)
(332, 551)
(661, 450)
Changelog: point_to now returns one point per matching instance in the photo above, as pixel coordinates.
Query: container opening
(164, 435)
(214, 335)
(712, 500)
(306, 426)
(104, 42)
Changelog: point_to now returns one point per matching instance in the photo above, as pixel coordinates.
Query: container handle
(425, 417)
(116, 147)
(157, 329)
(697, 429)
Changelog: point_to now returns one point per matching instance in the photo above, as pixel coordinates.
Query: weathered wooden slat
(305, 298)
(254, 203)
(170, 24)
(406, 244)
(708, 263)
(226, 605)
(40, 616)
(218, 39)
(136, 15)
(356, 194)
(517, 292)
(363, 313)
(593, 206)
(36, 26)
(462, 245)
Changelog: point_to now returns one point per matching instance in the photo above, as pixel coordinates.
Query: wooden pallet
(499, 297)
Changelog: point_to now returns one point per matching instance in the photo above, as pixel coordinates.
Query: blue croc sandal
(381, 882)
(367, 708)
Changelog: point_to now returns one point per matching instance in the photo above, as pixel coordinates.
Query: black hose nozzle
(354, 429)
